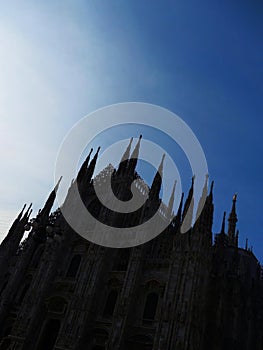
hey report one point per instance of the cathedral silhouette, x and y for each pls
(191, 291)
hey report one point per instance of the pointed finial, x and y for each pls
(203, 198)
(223, 223)
(125, 158)
(134, 157)
(206, 182)
(211, 189)
(21, 213)
(29, 208)
(135, 152)
(232, 220)
(91, 167)
(57, 185)
(29, 213)
(236, 238)
(83, 167)
(160, 169)
(181, 204)
(178, 217)
(174, 186)
(157, 182)
(189, 200)
(246, 246)
(128, 150)
(171, 200)
(88, 157)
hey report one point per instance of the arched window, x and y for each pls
(150, 306)
(74, 266)
(49, 335)
(121, 260)
(110, 303)
(21, 295)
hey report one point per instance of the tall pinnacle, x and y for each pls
(91, 167)
(171, 200)
(28, 212)
(232, 220)
(189, 198)
(178, 217)
(17, 219)
(134, 157)
(157, 181)
(202, 198)
(187, 216)
(84, 167)
(125, 159)
(14, 226)
(223, 224)
(204, 215)
(44, 213)
(211, 191)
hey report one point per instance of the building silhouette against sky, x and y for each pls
(178, 291)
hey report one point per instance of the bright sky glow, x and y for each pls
(60, 60)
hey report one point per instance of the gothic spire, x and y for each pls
(177, 219)
(187, 216)
(246, 246)
(157, 181)
(204, 215)
(14, 226)
(134, 157)
(84, 167)
(232, 220)
(171, 200)
(91, 167)
(223, 224)
(16, 232)
(189, 198)
(28, 213)
(236, 238)
(16, 221)
(44, 213)
(210, 196)
(125, 159)
(203, 198)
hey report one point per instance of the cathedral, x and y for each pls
(196, 290)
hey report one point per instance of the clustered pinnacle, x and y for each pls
(127, 168)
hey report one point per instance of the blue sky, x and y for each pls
(61, 60)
